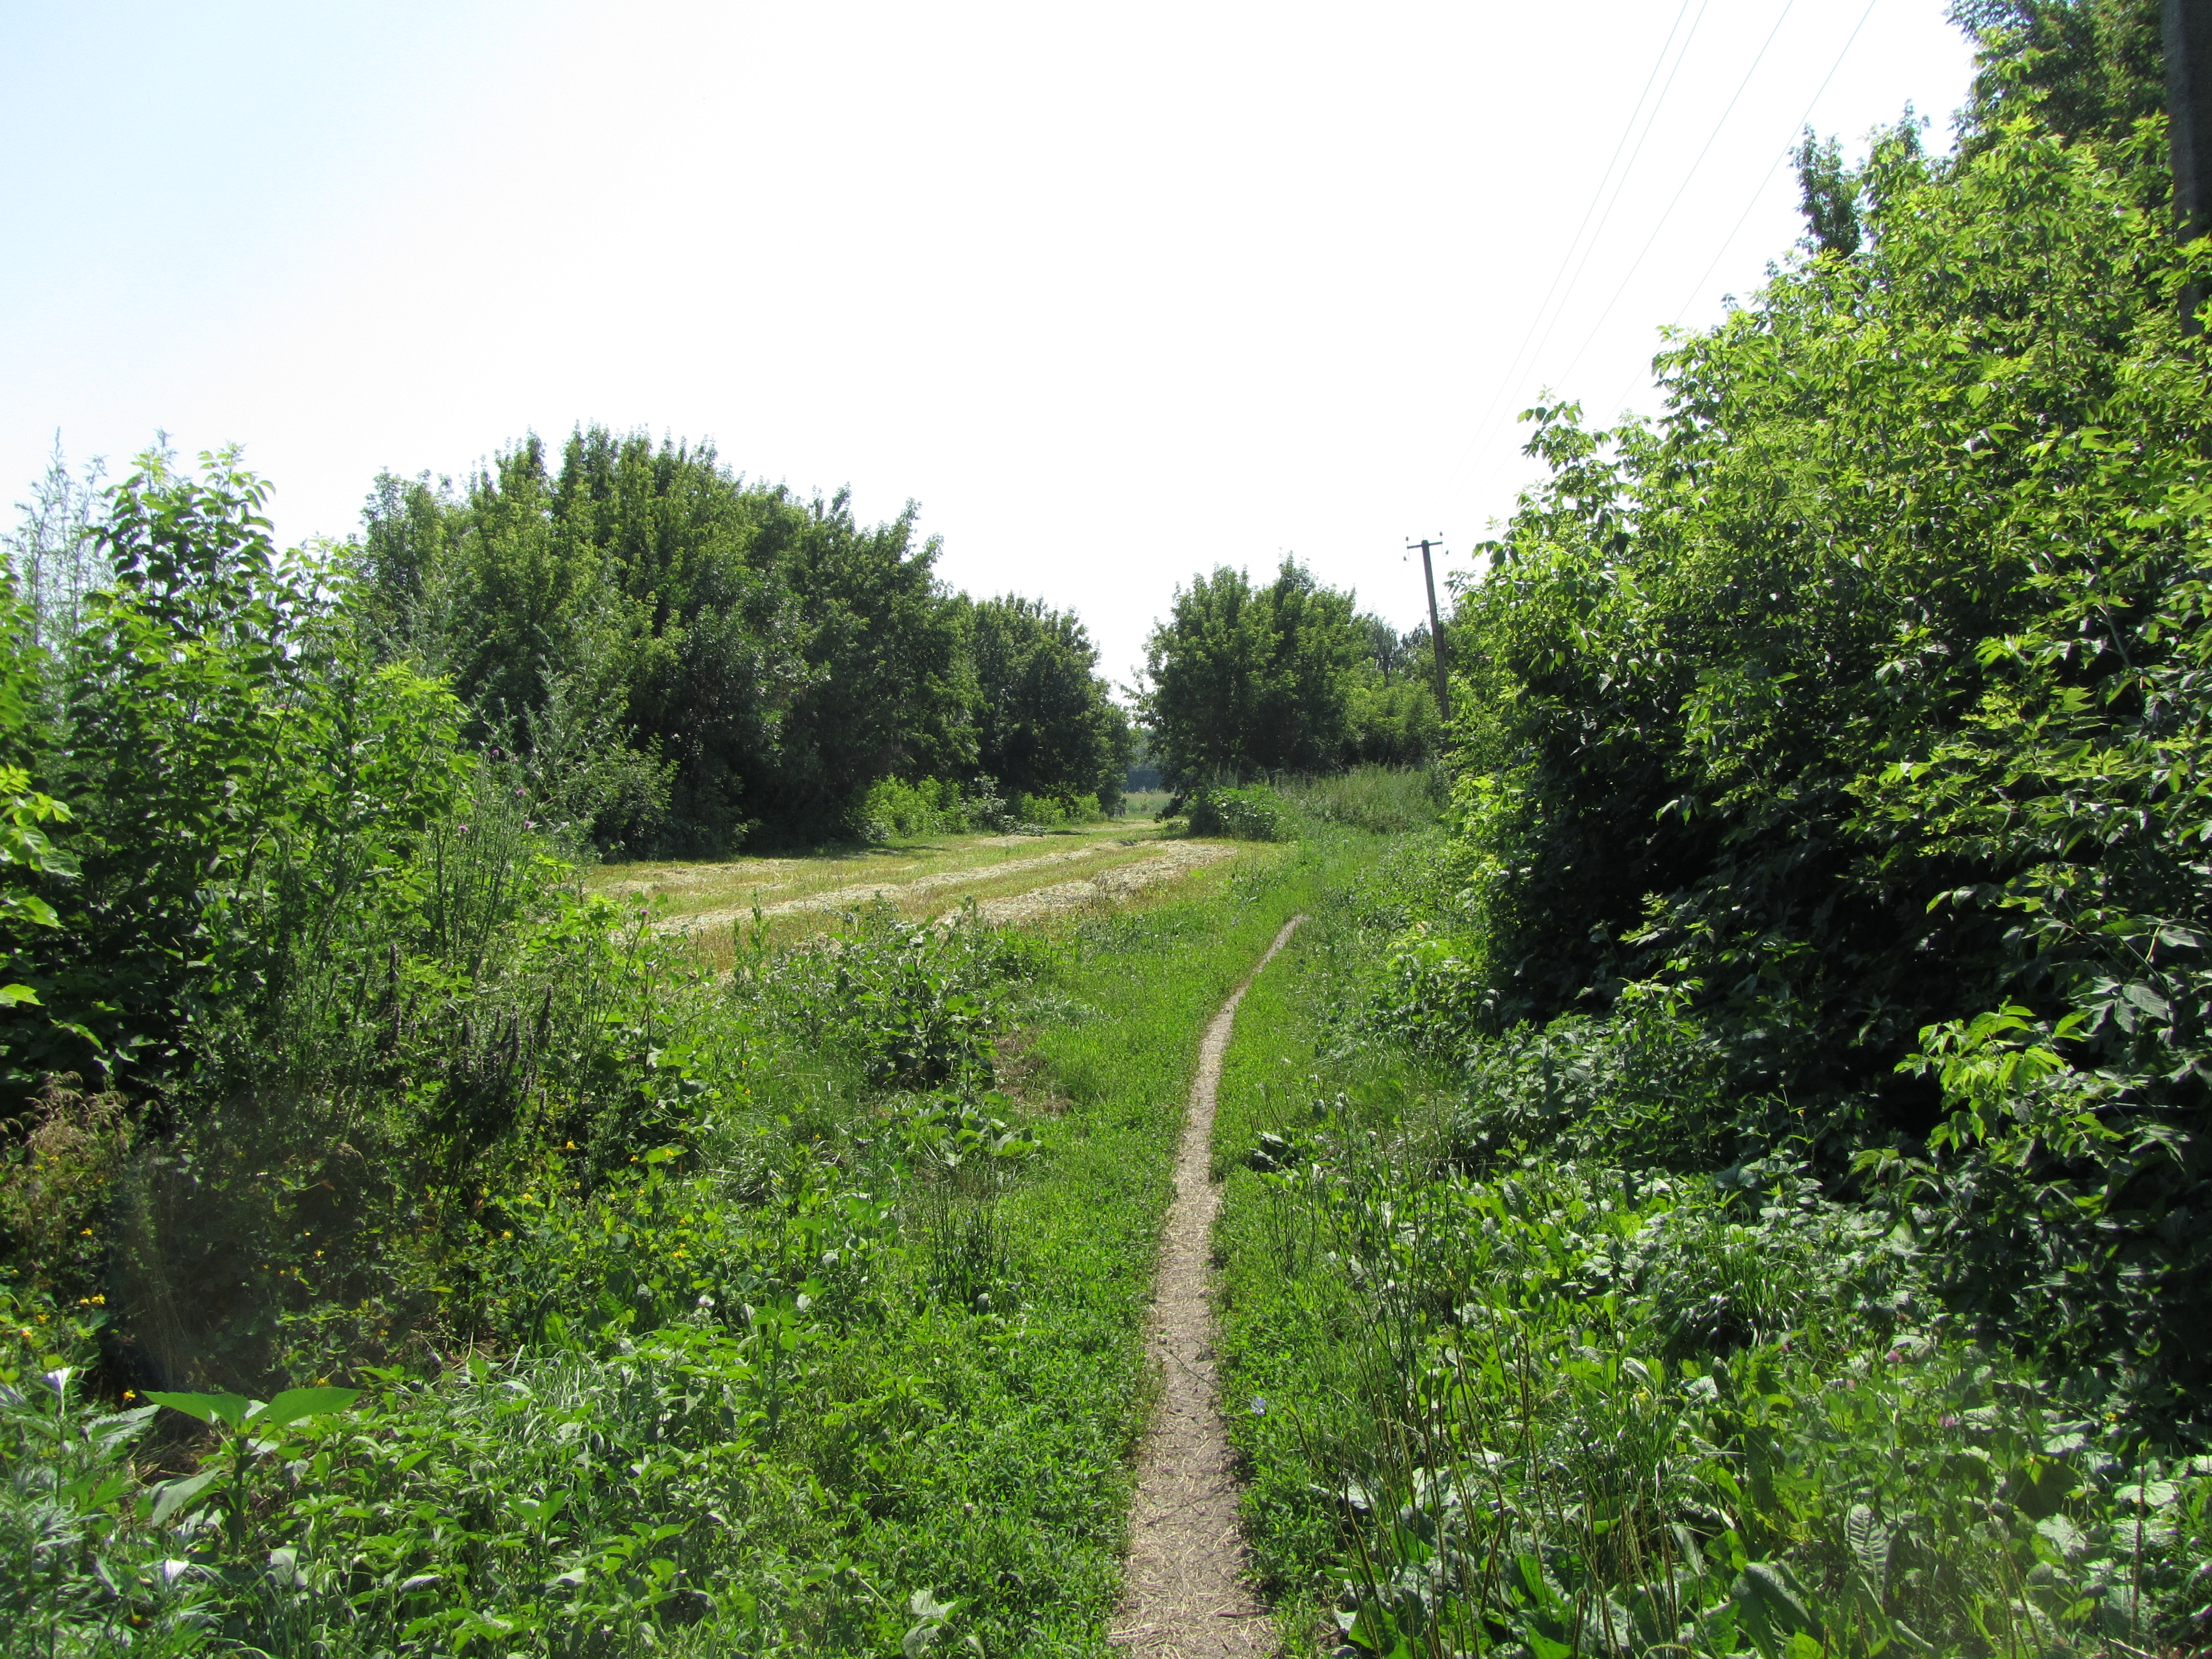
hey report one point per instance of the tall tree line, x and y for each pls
(698, 658)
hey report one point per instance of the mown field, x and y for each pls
(1019, 878)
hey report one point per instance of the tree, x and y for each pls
(1827, 196)
(889, 690)
(759, 659)
(1046, 723)
(235, 769)
(2086, 68)
(1851, 710)
(1245, 680)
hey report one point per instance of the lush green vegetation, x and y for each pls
(1723, 1171)
(1741, 1190)
(793, 1311)
(706, 658)
(1281, 678)
(512, 1280)
(1508, 1382)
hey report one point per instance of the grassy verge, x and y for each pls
(989, 1444)
(1499, 1398)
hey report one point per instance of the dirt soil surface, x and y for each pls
(1188, 1592)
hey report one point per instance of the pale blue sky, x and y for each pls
(1115, 292)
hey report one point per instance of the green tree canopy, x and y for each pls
(1046, 723)
(1244, 680)
(760, 658)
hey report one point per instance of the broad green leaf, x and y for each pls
(294, 1405)
(230, 1410)
(2064, 1536)
(173, 1495)
(1766, 1594)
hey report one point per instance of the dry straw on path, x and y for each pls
(1188, 1592)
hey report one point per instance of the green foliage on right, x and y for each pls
(1853, 711)
(1743, 1192)
(1509, 1380)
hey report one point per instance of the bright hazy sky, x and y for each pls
(1117, 293)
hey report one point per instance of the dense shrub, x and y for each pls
(1847, 710)
(708, 658)
(1254, 812)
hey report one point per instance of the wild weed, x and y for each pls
(1383, 800)
(1586, 1414)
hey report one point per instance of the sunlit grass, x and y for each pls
(1124, 865)
(684, 889)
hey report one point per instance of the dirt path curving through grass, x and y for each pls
(1186, 1593)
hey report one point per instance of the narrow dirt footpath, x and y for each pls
(1186, 1594)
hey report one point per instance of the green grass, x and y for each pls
(1383, 800)
(788, 1391)
(1010, 1498)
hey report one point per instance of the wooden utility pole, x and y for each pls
(1436, 629)
(2188, 29)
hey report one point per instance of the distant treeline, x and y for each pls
(701, 659)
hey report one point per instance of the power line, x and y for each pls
(1802, 122)
(1759, 188)
(1482, 426)
(1590, 248)
(1667, 212)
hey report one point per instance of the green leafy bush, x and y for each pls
(1847, 708)
(916, 1006)
(894, 809)
(1516, 1367)
(1254, 812)
(1571, 1409)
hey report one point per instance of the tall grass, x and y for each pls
(1383, 800)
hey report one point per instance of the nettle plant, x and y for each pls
(1579, 1410)
(254, 1438)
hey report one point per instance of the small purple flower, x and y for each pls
(1259, 1404)
(1947, 1422)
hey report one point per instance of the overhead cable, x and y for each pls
(1505, 381)
(1759, 188)
(1666, 213)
